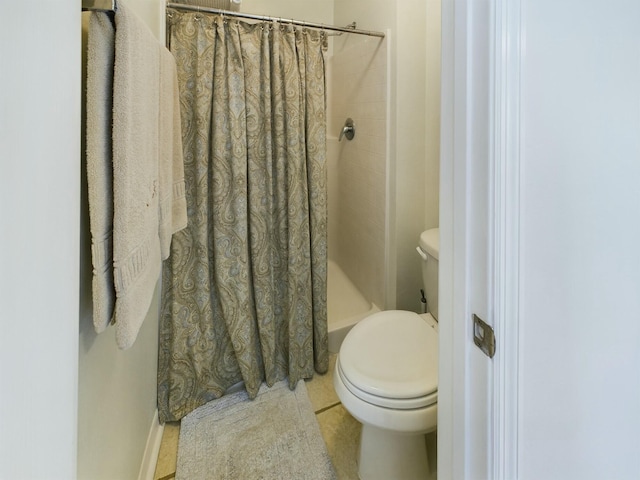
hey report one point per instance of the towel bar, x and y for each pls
(99, 5)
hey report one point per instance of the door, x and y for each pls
(562, 257)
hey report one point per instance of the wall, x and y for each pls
(580, 204)
(320, 11)
(357, 212)
(433, 51)
(379, 15)
(357, 88)
(410, 163)
(39, 232)
(417, 138)
(413, 144)
(412, 158)
(117, 389)
(38, 360)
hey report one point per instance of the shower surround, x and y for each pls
(357, 180)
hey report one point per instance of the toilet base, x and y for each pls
(385, 454)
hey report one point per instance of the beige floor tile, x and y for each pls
(320, 388)
(341, 433)
(168, 454)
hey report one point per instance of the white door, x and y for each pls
(554, 90)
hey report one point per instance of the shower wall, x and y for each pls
(320, 11)
(357, 74)
(356, 88)
(412, 174)
(378, 253)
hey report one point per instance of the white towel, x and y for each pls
(134, 167)
(100, 48)
(136, 184)
(173, 204)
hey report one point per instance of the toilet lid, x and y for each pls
(392, 354)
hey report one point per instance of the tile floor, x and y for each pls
(339, 430)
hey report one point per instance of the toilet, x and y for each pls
(386, 376)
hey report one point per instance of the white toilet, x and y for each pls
(386, 376)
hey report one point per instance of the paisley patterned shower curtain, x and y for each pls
(244, 290)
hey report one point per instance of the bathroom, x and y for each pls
(116, 399)
(74, 403)
(408, 152)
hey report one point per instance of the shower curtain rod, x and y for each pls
(194, 8)
(110, 6)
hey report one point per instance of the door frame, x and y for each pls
(463, 417)
(452, 274)
(505, 207)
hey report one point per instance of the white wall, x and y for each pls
(320, 11)
(40, 212)
(417, 130)
(433, 52)
(579, 398)
(412, 170)
(413, 160)
(356, 87)
(357, 216)
(39, 235)
(410, 155)
(117, 389)
(358, 76)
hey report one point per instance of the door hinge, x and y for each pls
(483, 336)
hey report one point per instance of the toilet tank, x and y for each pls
(429, 247)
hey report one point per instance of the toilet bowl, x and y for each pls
(386, 377)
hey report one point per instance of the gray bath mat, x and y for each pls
(275, 436)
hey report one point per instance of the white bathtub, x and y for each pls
(346, 306)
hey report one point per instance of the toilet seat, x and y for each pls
(390, 359)
(388, 402)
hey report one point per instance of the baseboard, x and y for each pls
(150, 457)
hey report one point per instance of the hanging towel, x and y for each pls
(173, 203)
(100, 49)
(134, 167)
(136, 183)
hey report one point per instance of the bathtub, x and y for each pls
(346, 306)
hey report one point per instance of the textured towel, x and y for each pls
(136, 187)
(173, 203)
(100, 48)
(134, 167)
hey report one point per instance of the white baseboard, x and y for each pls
(150, 457)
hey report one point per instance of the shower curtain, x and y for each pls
(244, 290)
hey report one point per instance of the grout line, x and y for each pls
(324, 409)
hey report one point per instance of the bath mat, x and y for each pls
(275, 436)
